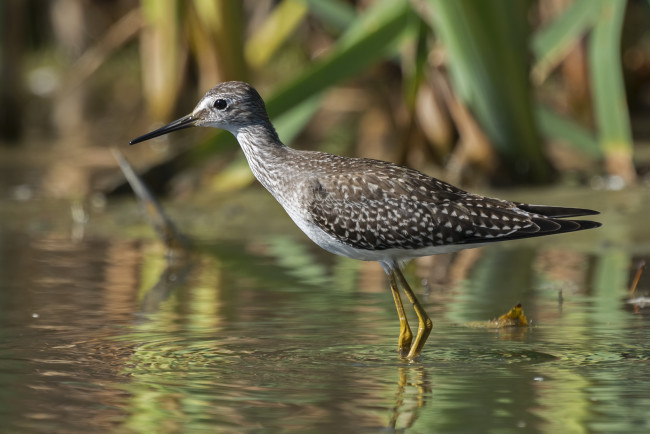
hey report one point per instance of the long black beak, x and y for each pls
(179, 124)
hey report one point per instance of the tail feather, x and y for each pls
(546, 227)
(555, 226)
(587, 224)
(556, 211)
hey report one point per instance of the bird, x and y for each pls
(367, 209)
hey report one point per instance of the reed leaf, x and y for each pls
(275, 30)
(553, 42)
(570, 133)
(335, 13)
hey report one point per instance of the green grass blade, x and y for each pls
(552, 43)
(558, 127)
(335, 13)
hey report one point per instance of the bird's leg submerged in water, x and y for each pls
(408, 348)
(405, 334)
(424, 322)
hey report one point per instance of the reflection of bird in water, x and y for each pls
(411, 396)
(367, 209)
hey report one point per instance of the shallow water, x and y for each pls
(258, 331)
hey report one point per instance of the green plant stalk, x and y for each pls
(161, 48)
(223, 20)
(608, 90)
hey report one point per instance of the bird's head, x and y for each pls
(230, 106)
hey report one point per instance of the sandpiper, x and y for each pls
(368, 209)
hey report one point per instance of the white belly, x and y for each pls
(332, 245)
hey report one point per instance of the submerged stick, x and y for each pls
(162, 224)
(637, 277)
(639, 301)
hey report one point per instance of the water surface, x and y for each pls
(259, 331)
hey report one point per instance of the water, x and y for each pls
(258, 331)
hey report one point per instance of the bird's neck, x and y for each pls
(264, 151)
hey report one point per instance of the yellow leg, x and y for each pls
(405, 334)
(424, 322)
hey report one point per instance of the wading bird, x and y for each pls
(368, 209)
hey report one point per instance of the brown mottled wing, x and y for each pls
(373, 205)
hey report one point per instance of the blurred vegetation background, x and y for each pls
(472, 91)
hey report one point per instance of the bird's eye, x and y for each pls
(220, 104)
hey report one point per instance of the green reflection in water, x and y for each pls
(262, 333)
(225, 351)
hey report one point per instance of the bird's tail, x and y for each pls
(556, 211)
